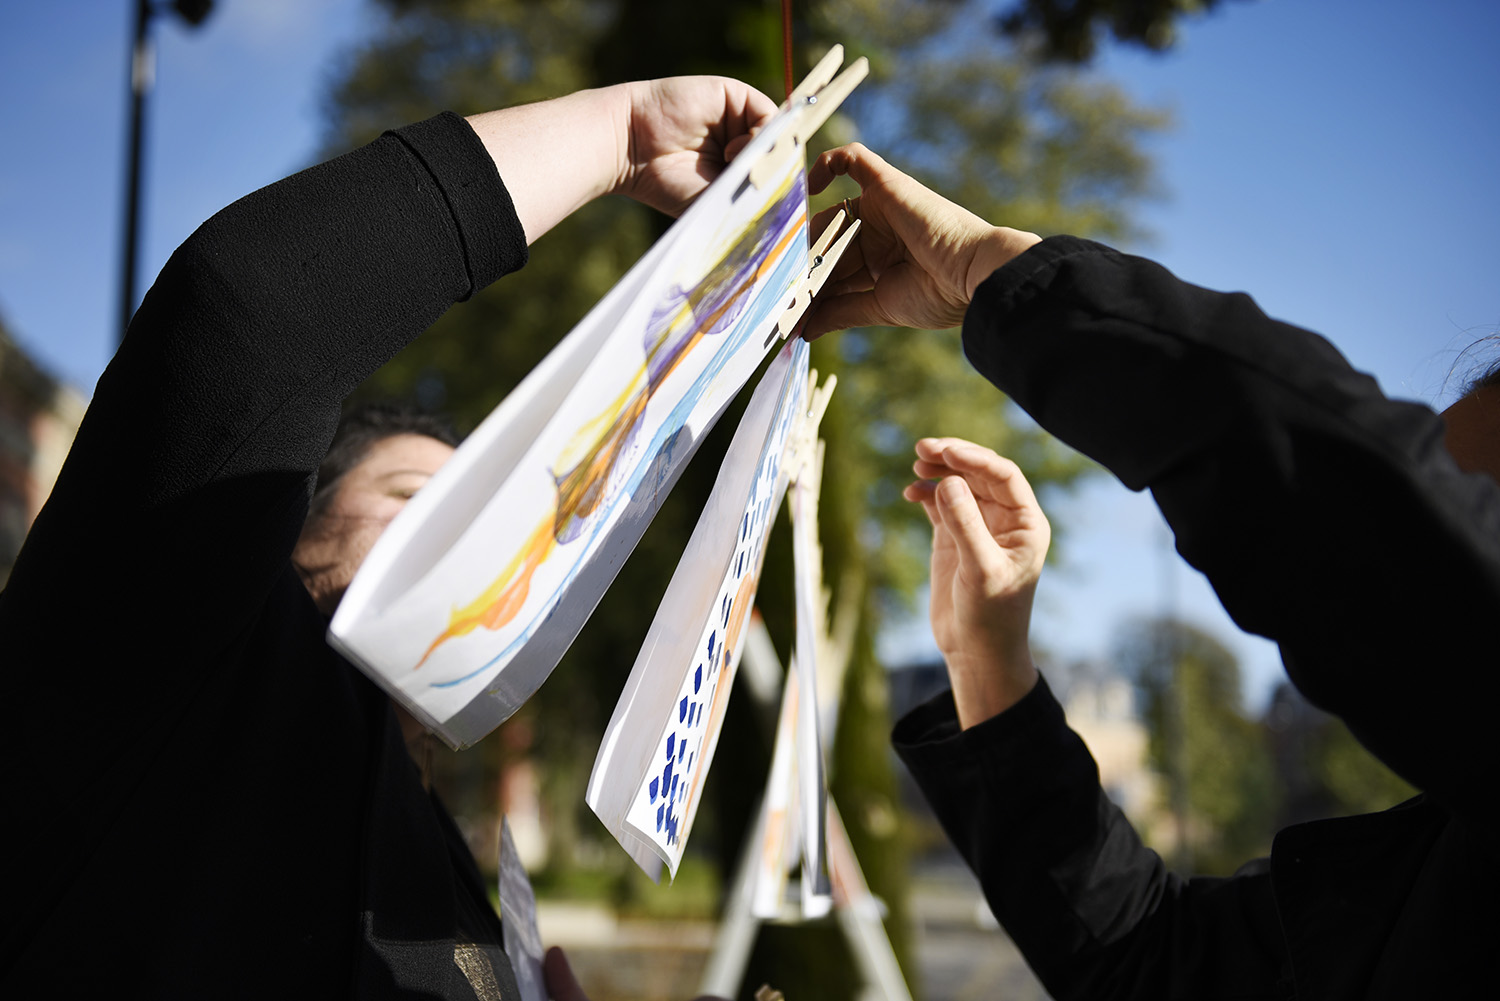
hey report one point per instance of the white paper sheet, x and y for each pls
(779, 834)
(647, 778)
(812, 786)
(523, 944)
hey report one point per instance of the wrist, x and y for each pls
(618, 104)
(996, 249)
(985, 687)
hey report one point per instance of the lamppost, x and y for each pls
(142, 70)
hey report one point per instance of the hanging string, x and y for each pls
(786, 42)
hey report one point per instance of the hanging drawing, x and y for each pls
(472, 595)
(659, 743)
(779, 832)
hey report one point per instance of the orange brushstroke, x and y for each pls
(504, 597)
(740, 607)
(721, 692)
(770, 852)
(776, 817)
(582, 488)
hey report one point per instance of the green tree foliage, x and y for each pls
(1214, 759)
(1069, 29)
(1017, 142)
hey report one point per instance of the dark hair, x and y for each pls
(361, 428)
(1486, 379)
(1490, 374)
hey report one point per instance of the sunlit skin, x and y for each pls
(989, 542)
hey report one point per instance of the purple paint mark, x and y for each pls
(721, 294)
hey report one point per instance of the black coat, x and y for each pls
(206, 800)
(1327, 518)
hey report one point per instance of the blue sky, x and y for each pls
(1335, 158)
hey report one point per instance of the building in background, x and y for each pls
(38, 418)
(1101, 708)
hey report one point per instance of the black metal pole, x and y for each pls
(140, 83)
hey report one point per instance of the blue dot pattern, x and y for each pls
(674, 774)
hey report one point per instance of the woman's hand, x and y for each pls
(918, 256)
(659, 142)
(681, 132)
(989, 541)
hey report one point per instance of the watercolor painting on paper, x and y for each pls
(648, 374)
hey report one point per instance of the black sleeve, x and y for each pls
(187, 485)
(1095, 912)
(1327, 517)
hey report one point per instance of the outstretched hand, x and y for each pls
(989, 541)
(918, 256)
(659, 142)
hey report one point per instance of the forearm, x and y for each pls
(1326, 516)
(558, 155)
(238, 359)
(1093, 910)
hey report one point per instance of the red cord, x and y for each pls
(786, 39)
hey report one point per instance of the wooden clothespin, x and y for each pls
(816, 97)
(825, 253)
(803, 444)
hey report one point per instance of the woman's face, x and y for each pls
(334, 544)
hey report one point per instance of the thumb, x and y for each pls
(965, 523)
(840, 312)
(561, 984)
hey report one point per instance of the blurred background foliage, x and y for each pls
(980, 118)
(1230, 779)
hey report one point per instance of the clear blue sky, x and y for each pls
(1335, 158)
